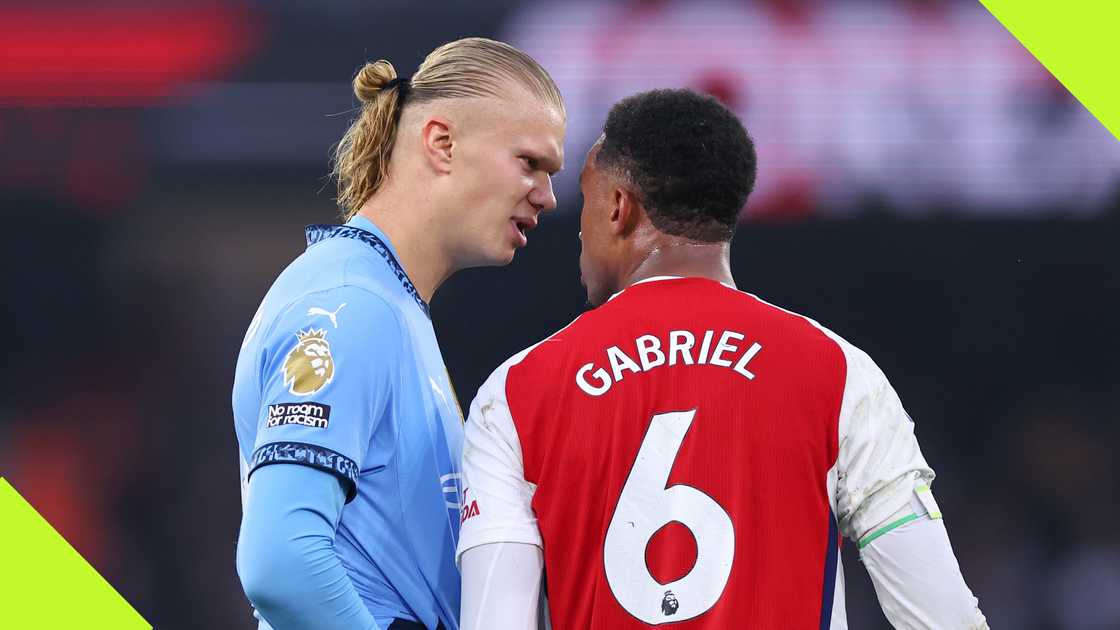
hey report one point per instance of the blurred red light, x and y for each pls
(118, 55)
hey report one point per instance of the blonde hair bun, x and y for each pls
(465, 68)
(371, 78)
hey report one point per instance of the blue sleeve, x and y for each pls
(286, 557)
(328, 364)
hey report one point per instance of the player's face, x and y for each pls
(595, 258)
(503, 164)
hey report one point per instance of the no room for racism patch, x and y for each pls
(310, 414)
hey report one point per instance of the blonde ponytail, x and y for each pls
(464, 68)
(361, 159)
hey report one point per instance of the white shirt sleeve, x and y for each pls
(879, 463)
(497, 500)
(918, 580)
(883, 500)
(501, 587)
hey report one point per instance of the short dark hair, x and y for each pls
(690, 160)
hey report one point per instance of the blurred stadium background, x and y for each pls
(926, 189)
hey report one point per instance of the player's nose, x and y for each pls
(542, 196)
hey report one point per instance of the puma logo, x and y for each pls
(332, 315)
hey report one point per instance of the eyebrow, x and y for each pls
(550, 165)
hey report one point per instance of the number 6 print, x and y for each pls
(645, 506)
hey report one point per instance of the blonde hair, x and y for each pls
(464, 68)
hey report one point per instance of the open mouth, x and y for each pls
(522, 226)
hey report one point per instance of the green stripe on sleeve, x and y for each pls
(866, 540)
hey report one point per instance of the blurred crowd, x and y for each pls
(926, 189)
(924, 106)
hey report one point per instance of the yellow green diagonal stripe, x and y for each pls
(1077, 43)
(45, 583)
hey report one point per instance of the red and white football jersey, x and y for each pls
(689, 454)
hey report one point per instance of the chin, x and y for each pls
(494, 256)
(501, 258)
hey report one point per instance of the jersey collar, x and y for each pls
(655, 279)
(650, 279)
(362, 229)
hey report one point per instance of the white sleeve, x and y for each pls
(884, 501)
(501, 587)
(879, 463)
(497, 500)
(918, 580)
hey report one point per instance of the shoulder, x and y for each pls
(813, 331)
(863, 380)
(858, 364)
(350, 318)
(350, 261)
(350, 303)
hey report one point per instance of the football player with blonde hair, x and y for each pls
(348, 427)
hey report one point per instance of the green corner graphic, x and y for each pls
(1075, 41)
(44, 583)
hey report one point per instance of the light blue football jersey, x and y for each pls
(340, 370)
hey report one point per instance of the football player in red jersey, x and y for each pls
(686, 453)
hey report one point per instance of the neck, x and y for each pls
(685, 258)
(411, 231)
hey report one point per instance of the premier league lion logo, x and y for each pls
(669, 604)
(309, 367)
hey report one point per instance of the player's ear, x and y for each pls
(627, 211)
(615, 215)
(437, 143)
